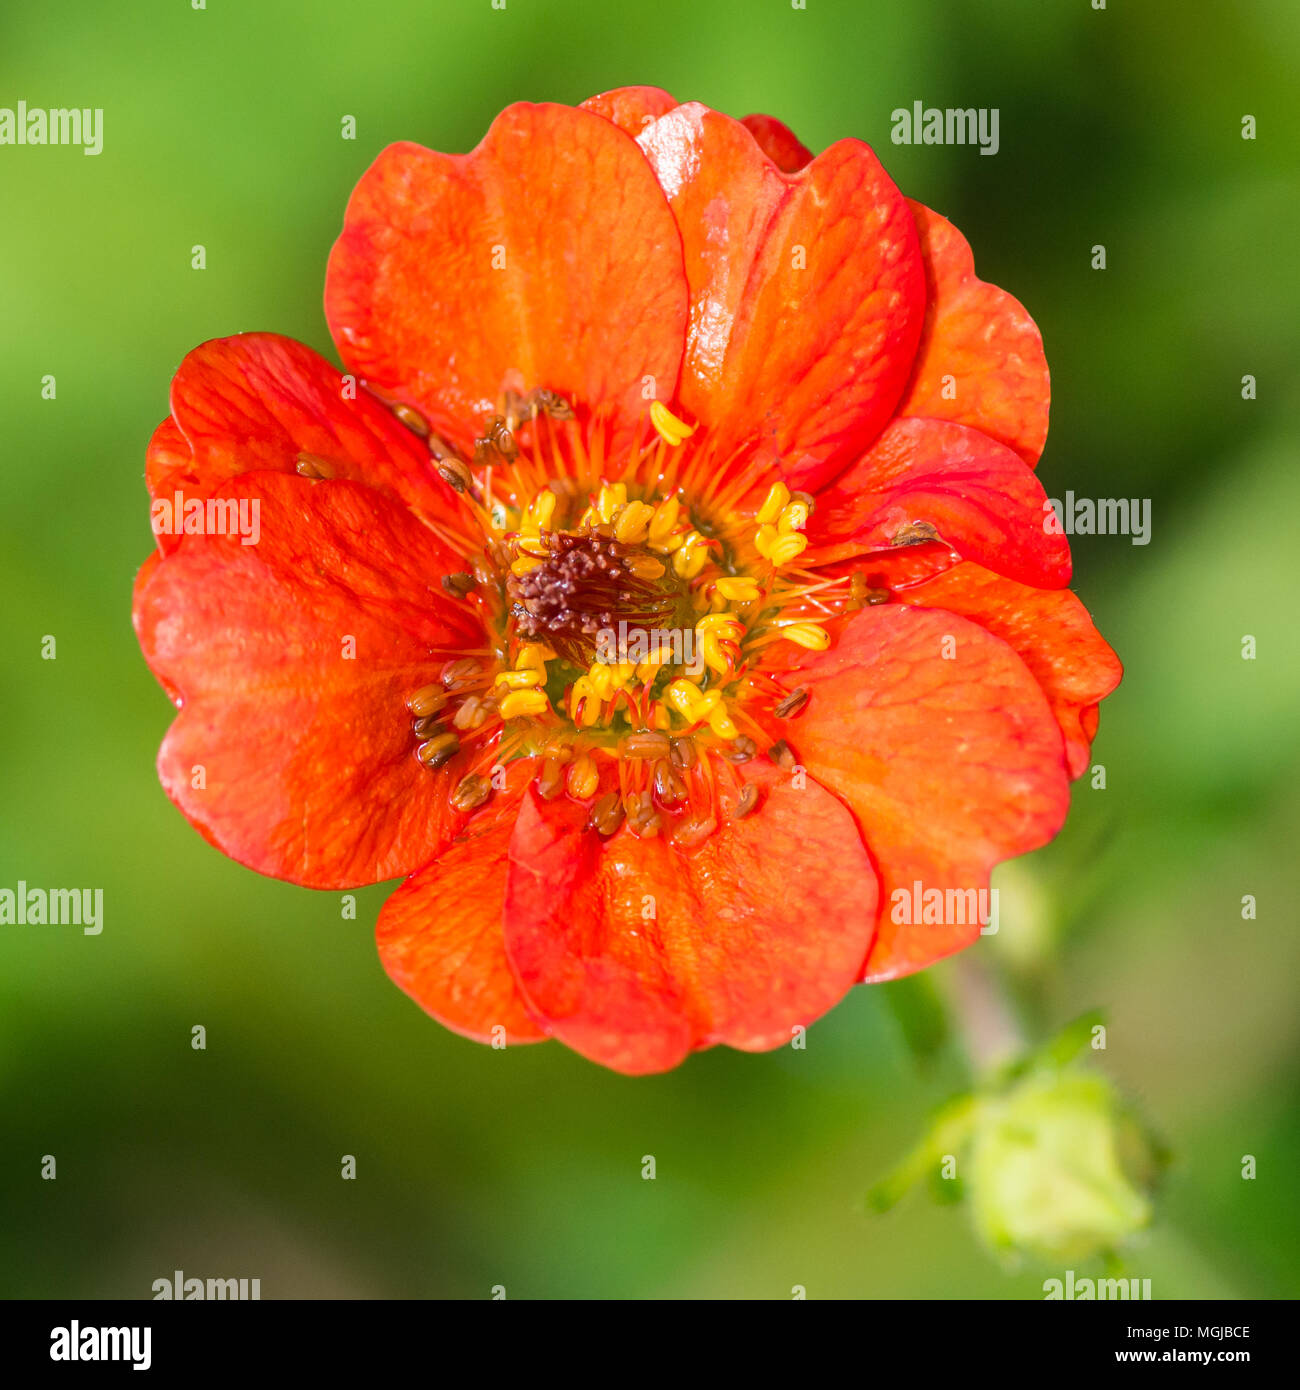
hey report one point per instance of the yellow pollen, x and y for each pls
(663, 521)
(525, 563)
(720, 723)
(738, 589)
(690, 559)
(633, 524)
(612, 497)
(773, 505)
(714, 657)
(683, 697)
(764, 539)
(724, 624)
(645, 567)
(540, 511)
(793, 517)
(524, 702)
(809, 635)
(601, 679)
(787, 547)
(534, 656)
(671, 430)
(520, 680)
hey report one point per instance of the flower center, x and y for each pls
(628, 623)
(589, 586)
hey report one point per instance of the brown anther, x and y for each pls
(427, 726)
(693, 830)
(455, 474)
(792, 704)
(806, 498)
(669, 787)
(516, 409)
(914, 533)
(458, 584)
(439, 750)
(456, 673)
(412, 419)
(607, 814)
(683, 753)
(740, 750)
(747, 801)
(498, 439)
(314, 467)
(782, 755)
(550, 403)
(642, 819)
(439, 447)
(550, 781)
(861, 593)
(558, 747)
(649, 743)
(471, 792)
(429, 699)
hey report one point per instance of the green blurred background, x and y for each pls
(523, 1168)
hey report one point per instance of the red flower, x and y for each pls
(634, 363)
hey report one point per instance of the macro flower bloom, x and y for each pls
(664, 589)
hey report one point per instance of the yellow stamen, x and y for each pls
(612, 497)
(809, 635)
(690, 559)
(794, 517)
(738, 589)
(683, 697)
(671, 430)
(764, 539)
(714, 657)
(534, 655)
(525, 563)
(601, 679)
(787, 547)
(524, 702)
(778, 495)
(633, 524)
(663, 521)
(720, 723)
(724, 624)
(520, 680)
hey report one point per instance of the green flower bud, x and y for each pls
(1058, 1169)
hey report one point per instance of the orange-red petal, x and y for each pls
(807, 295)
(290, 661)
(259, 401)
(440, 936)
(983, 501)
(631, 108)
(547, 257)
(980, 360)
(778, 142)
(634, 953)
(1051, 632)
(941, 742)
